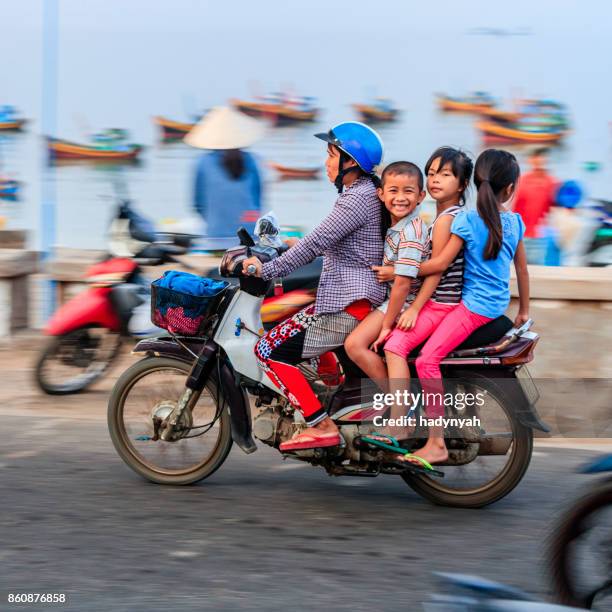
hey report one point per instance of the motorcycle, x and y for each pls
(599, 252)
(87, 332)
(174, 415)
(471, 593)
(580, 553)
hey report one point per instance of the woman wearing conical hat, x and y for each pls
(227, 190)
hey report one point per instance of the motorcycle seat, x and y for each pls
(487, 334)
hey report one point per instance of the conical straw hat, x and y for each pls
(224, 128)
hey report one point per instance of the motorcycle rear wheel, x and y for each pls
(146, 388)
(78, 352)
(575, 582)
(458, 489)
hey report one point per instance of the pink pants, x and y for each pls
(451, 324)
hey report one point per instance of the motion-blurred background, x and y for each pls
(120, 65)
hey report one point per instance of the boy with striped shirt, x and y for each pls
(401, 192)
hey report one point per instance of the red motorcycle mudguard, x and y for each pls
(92, 307)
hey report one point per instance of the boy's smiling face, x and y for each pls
(400, 194)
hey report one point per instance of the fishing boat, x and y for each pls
(9, 119)
(474, 103)
(517, 132)
(498, 114)
(9, 189)
(540, 113)
(533, 121)
(109, 145)
(281, 109)
(546, 113)
(379, 111)
(172, 130)
(295, 173)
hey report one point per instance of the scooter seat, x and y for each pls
(483, 336)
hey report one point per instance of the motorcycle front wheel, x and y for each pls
(71, 362)
(148, 391)
(580, 553)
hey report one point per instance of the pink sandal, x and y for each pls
(307, 440)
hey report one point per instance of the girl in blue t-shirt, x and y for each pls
(491, 237)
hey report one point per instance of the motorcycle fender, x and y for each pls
(240, 410)
(236, 397)
(91, 307)
(166, 346)
(524, 410)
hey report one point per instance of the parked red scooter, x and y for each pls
(86, 333)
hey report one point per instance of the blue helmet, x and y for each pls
(357, 141)
(569, 194)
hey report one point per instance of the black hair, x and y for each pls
(404, 168)
(540, 152)
(460, 164)
(233, 162)
(495, 170)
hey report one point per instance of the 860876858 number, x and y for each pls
(36, 598)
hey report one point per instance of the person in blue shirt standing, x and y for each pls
(227, 189)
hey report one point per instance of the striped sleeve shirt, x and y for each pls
(450, 286)
(405, 244)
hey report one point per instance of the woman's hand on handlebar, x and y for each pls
(291, 242)
(252, 267)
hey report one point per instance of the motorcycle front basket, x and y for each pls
(182, 313)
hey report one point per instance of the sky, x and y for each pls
(359, 15)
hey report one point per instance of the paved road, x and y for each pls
(261, 533)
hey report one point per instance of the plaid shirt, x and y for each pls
(349, 240)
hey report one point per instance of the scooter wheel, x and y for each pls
(72, 362)
(151, 388)
(579, 553)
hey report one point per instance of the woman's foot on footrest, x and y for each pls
(311, 439)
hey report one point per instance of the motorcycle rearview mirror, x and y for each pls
(245, 238)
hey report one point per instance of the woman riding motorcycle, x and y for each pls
(350, 239)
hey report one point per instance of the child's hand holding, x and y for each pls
(408, 318)
(385, 332)
(384, 274)
(521, 317)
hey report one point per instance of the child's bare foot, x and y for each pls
(387, 434)
(433, 452)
